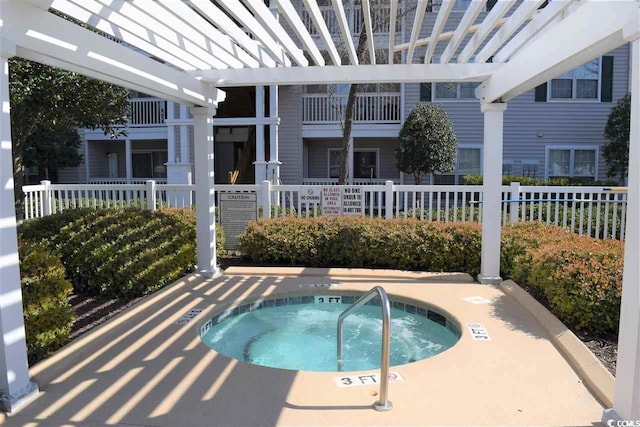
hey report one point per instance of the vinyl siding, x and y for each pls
(290, 134)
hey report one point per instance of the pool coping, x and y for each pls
(588, 367)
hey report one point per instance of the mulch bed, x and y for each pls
(93, 310)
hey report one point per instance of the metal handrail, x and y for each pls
(383, 404)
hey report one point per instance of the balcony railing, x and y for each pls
(369, 108)
(147, 112)
(379, 20)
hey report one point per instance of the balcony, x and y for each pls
(147, 112)
(322, 108)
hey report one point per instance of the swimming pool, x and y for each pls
(299, 333)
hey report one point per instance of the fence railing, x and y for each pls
(369, 107)
(146, 112)
(594, 211)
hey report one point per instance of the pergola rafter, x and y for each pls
(184, 50)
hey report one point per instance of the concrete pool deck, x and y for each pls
(143, 369)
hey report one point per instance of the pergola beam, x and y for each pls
(263, 14)
(44, 37)
(226, 25)
(542, 19)
(323, 31)
(517, 19)
(368, 27)
(393, 17)
(488, 24)
(421, 8)
(445, 9)
(338, 8)
(461, 32)
(600, 29)
(381, 73)
(289, 13)
(242, 15)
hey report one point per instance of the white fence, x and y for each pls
(369, 107)
(147, 112)
(594, 211)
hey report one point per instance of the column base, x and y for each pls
(610, 417)
(489, 280)
(13, 402)
(209, 273)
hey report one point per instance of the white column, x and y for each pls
(260, 163)
(492, 192)
(128, 159)
(350, 162)
(274, 163)
(626, 399)
(205, 198)
(14, 368)
(184, 136)
(171, 134)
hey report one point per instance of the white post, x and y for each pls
(388, 199)
(260, 163)
(171, 134)
(265, 198)
(492, 192)
(514, 207)
(46, 198)
(274, 163)
(128, 160)
(205, 195)
(151, 195)
(14, 368)
(184, 136)
(626, 398)
(350, 162)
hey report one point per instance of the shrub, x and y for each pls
(529, 181)
(364, 242)
(581, 280)
(48, 317)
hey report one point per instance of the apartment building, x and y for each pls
(292, 134)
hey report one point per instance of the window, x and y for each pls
(149, 164)
(447, 91)
(572, 162)
(365, 163)
(469, 162)
(581, 83)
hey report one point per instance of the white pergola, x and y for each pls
(185, 51)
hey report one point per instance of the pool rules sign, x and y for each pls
(236, 210)
(342, 200)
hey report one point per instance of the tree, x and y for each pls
(44, 98)
(616, 149)
(427, 142)
(51, 148)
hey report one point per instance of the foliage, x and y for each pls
(48, 317)
(364, 242)
(50, 148)
(427, 142)
(616, 149)
(121, 252)
(528, 181)
(44, 97)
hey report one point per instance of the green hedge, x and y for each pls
(364, 242)
(528, 181)
(121, 252)
(48, 317)
(577, 277)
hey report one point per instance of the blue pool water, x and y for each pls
(303, 337)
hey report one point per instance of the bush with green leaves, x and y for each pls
(428, 142)
(121, 252)
(617, 130)
(364, 242)
(529, 181)
(48, 316)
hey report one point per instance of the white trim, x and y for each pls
(572, 149)
(359, 130)
(457, 99)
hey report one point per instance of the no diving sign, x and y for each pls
(358, 380)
